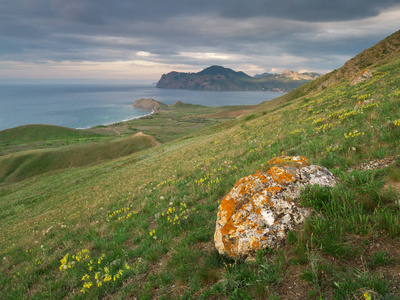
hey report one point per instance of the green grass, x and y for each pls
(17, 167)
(29, 137)
(118, 210)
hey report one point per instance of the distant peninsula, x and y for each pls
(148, 103)
(218, 78)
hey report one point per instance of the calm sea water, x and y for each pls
(87, 105)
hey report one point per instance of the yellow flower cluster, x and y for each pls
(306, 120)
(297, 131)
(356, 112)
(169, 181)
(81, 255)
(99, 276)
(353, 134)
(349, 114)
(334, 104)
(175, 216)
(152, 232)
(122, 210)
(211, 179)
(323, 128)
(101, 258)
(123, 213)
(361, 97)
(334, 149)
(336, 114)
(319, 120)
(107, 276)
(397, 122)
(118, 274)
(65, 264)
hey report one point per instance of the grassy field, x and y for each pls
(142, 226)
(177, 120)
(38, 136)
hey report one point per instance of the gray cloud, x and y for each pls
(310, 34)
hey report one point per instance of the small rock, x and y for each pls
(365, 75)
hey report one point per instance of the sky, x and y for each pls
(131, 40)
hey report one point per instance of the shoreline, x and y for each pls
(126, 120)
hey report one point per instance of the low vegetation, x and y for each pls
(142, 226)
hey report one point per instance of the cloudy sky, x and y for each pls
(141, 40)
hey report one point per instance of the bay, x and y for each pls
(88, 105)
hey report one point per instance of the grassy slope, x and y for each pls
(42, 136)
(17, 167)
(111, 213)
(178, 120)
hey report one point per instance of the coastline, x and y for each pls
(126, 120)
(46, 103)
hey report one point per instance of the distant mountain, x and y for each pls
(218, 78)
(264, 75)
(290, 74)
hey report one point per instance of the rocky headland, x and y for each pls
(217, 78)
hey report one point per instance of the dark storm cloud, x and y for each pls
(308, 10)
(253, 30)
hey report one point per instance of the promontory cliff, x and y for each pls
(217, 78)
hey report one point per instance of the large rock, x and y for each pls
(261, 208)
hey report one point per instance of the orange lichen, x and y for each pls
(364, 72)
(279, 175)
(228, 207)
(288, 160)
(273, 190)
(255, 244)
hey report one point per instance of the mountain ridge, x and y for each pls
(218, 78)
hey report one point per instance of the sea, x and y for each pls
(89, 105)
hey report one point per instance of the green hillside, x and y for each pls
(42, 136)
(104, 231)
(26, 164)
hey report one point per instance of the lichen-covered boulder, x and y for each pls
(261, 208)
